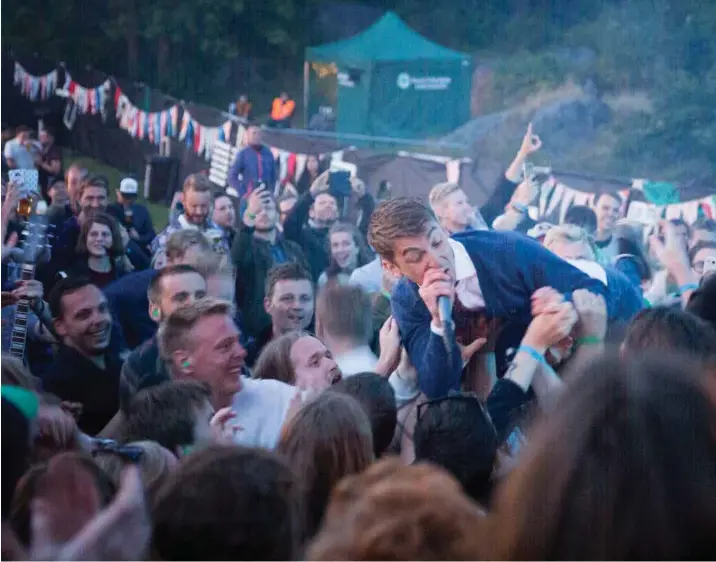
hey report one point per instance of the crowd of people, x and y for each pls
(274, 375)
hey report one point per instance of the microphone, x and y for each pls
(445, 314)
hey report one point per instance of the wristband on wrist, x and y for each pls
(686, 287)
(532, 352)
(520, 207)
(590, 340)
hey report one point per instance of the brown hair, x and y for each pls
(197, 182)
(92, 181)
(274, 362)
(153, 464)
(624, 467)
(173, 331)
(285, 272)
(166, 413)
(326, 440)
(28, 486)
(364, 253)
(398, 512)
(100, 217)
(154, 292)
(397, 218)
(228, 503)
(345, 311)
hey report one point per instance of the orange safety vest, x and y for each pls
(281, 110)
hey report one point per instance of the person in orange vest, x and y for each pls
(282, 111)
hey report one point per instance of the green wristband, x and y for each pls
(590, 340)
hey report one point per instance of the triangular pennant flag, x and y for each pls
(300, 165)
(567, 202)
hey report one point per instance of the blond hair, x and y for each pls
(172, 334)
(440, 192)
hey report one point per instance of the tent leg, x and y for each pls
(306, 78)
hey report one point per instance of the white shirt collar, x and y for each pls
(464, 267)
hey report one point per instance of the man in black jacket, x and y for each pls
(315, 212)
(258, 247)
(87, 365)
(133, 216)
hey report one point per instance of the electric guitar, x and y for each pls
(34, 242)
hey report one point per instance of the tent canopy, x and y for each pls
(388, 39)
(391, 81)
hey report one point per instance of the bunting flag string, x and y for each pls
(154, 126)
(35, 87)
(557, 198)
(88, 100)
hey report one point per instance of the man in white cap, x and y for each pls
(134, 217)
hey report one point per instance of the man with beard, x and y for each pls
(288, 305)
(172, 287)
(313, 215)
(258, 247)
(196, 202)
(87, 364)
(201, 342)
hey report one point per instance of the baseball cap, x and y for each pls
(129, 186)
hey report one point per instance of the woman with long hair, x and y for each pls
(101, 249)
(348, 251)
(314, 168)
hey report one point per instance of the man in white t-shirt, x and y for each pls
(17, 156)
(201, 342)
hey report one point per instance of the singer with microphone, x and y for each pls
(453, 281)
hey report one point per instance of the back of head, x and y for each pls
(154, 461)
(668, 330)
(344, 311)
(228, 503)
(327, 439)
(181, 241)
(703, 302)
(583, 217)
(166, 413)
(623, 468)
(398, 512)
(457, 434)
(377, 398)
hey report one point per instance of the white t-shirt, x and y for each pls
(261, 408)
(19, 154)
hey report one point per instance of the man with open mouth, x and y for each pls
(87, 365)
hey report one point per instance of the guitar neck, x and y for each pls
(22, 313)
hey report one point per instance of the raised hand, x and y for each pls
(389, 338)
(531, 143)
(550, 328)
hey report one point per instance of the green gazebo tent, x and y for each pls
(393, 82)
